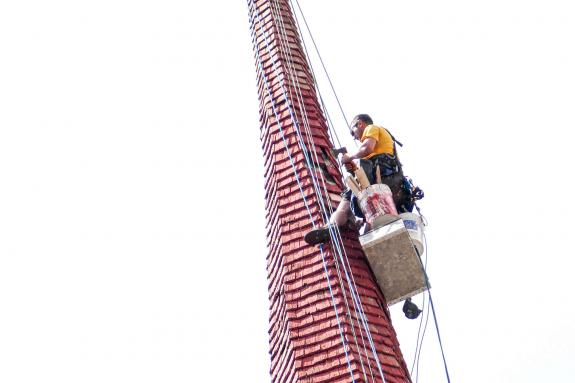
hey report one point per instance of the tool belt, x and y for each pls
(388, 164)
(386, 161)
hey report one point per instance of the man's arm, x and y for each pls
(364, 150)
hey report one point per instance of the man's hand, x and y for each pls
(347, 161)
(346, 158)
(350, 166)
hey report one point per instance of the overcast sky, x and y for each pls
(132, 221)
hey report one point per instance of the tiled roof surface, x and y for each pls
(305, 338)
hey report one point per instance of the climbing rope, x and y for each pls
(322, 64)
(432, 307)
(423, 306)
(418, 352)
(331, 128)
(424, 309)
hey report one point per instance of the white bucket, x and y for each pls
(414, 227)
(375, 201)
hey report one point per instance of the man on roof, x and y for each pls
(377, 152)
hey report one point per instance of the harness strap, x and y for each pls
(394, 147)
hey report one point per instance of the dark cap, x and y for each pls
(363, 117)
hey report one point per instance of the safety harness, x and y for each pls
(389, 166)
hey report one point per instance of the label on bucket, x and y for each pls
(410, 225)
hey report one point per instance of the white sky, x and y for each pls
(132, 230)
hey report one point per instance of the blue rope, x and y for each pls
(322, 64)
(324, 108)
(434, 315)
(439, 338)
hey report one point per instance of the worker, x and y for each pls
(376, 153)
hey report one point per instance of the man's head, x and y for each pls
(358, 125)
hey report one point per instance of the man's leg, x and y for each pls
(341, 215)
(339, 218)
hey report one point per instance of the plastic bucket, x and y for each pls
(376, 200)
(414, 227)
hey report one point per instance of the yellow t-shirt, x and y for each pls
(383, 140)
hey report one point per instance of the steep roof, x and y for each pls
(318, 327)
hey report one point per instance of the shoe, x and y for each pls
(317, 236)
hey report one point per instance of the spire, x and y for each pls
(328, 317)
